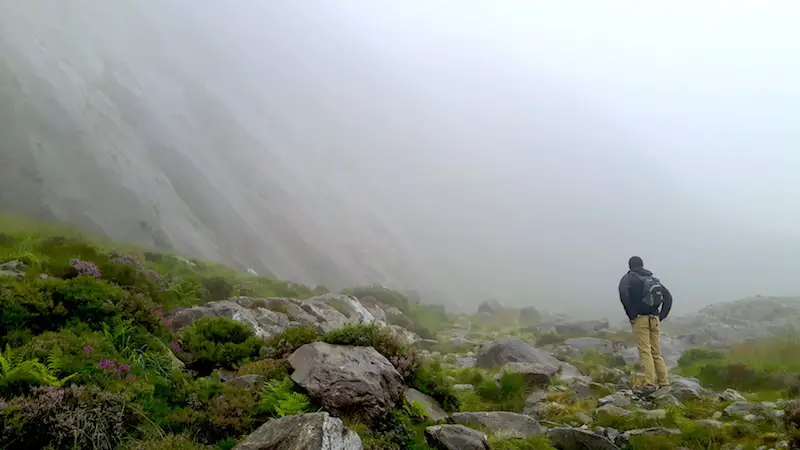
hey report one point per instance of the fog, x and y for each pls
(467, 150)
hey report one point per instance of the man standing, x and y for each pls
(647, 302)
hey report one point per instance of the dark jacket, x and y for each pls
(631, 292)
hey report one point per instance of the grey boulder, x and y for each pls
(348, 378)
(314, 431)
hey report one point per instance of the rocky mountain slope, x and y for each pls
(324, 160)
(140, 350)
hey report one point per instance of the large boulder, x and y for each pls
(348, 378)
(490, 307)
(185, 317)
(567, 438)
(455, 437)
(502, 424)
(529, 315)
(354, 311)
(314, 431)
(512, 350)
(430, 404)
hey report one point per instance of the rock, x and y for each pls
(791, 420)
(466, 361)
(455, 437)
(534, 373)
(585, 344)
(14, 269)
(742, 408)
(435, 412)
(581, 328)
(612, 410)
(354, 311)
(509, 350)
(185, 317)
(710, 423)
(313, 431)
(409, 336)
(533, 401)
(378, 313)
(617, 399)
(654, 414)
(667, 401)
(731, 395)
(328, 318)
(347, 378)
(567, 438)
(624, 438)
(463, 387)
(529, 315)
(502, 424)
(490, 306)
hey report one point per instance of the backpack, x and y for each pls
(653, 290)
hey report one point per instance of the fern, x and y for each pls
(292, 403)
(13, 369)
(278, 399)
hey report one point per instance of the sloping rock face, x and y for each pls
(314, 431)
(566, 438)
(269, 316)
(512, 350)
(431, 406)
(455, 437)
(348, 378)
(727, 323)
(503, 424)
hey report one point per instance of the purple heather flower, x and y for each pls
(87, 268)
(88, 349)
(175, 346)
(107, 364)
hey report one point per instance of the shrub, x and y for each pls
(382, 339)
(550, 339)
(286, 342)
(694, 355)
(169, 442)
(268, 368)
(219, 342)
(216, 411)
(74, 417)
(216, 288)
(429, 379)
(508, 393)
(84, 298)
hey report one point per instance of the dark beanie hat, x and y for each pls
(635, 263)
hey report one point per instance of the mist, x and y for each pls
(517, 151)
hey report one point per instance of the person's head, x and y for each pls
(635, 263)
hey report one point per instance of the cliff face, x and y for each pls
(315, 157)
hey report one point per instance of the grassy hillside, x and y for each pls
(90, 360)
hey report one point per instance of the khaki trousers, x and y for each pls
(647, 331)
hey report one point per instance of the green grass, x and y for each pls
(767, 368)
